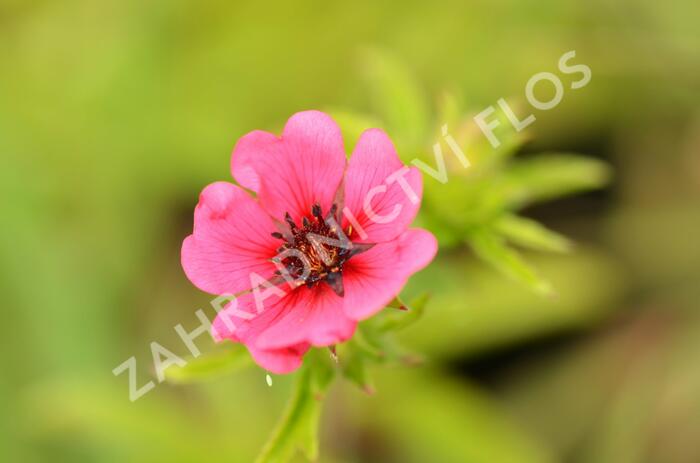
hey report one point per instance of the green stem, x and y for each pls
(298, 427)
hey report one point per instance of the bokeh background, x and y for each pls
(114, 114)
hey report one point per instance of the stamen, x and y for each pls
(331, 213)
(288, 219)
(319, 261)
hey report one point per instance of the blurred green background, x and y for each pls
(114, 114)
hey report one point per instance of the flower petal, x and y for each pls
(314, 315)
(279, 361)
(382, 194)
(250, 147)
(239, 322)
(295, 171)
(231, 240)
(372, 279)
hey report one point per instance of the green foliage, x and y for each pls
(531, 234)
(478, 204)
(493, 250)
(550, 176)
(406, 316)
(375, 342)
(397, 97)
(438, 419)
(222, 361)
(298, 427)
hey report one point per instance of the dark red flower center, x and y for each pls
(316, 250)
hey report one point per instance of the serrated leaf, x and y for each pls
(398, 99)
(211, 365)
(298, 427)
(531, 234)
(549, 176)
(492, 249)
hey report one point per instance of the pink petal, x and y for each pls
(279, 361)
(371, 166)
(314, 315)
(293, 172)
(373, 278)
(240, 322)
(231, 239)
(248, 149)
(284, 329)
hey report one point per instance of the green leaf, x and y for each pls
(492, 249)
(550, 176)
(372, 344)
(407, 314)
(398, 99)
(531, 234)
(368, 339)
(355, 363)
(211, 365)
(298, 428)
(380, 346)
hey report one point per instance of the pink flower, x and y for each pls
(323, 280)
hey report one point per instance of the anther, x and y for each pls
(332, 211)
(313, 264)
(288, 219)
